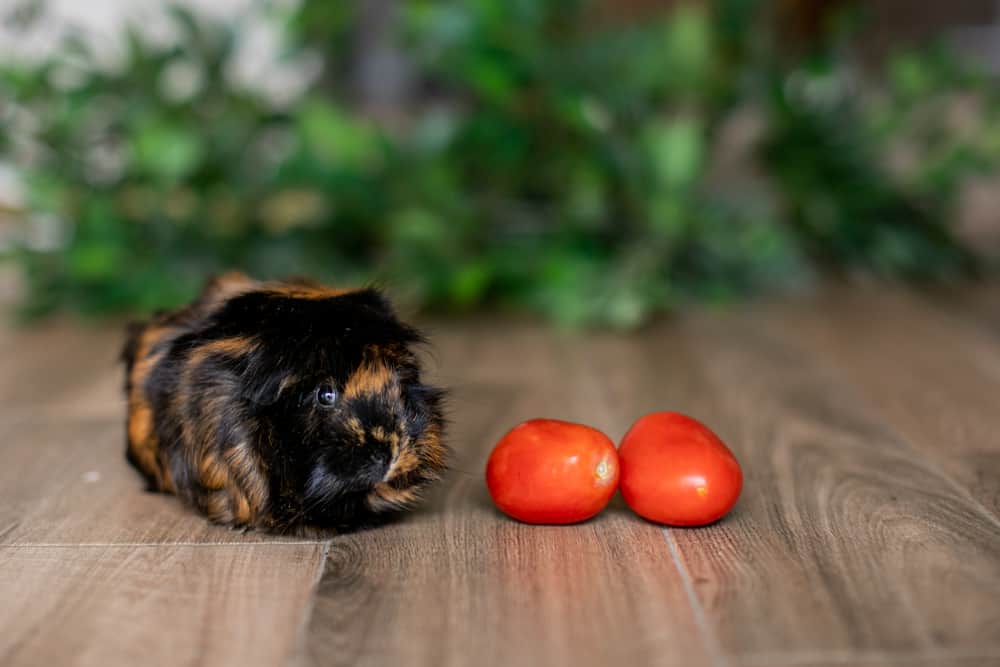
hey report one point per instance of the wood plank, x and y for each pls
(459, 582)
(67, 482)
(924, 658)
(846, 540)
(930, 373)
(137, 605)
(61, 369)
(979, 303)
(864, 537)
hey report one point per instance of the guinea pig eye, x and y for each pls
(326, 395)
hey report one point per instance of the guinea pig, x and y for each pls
(287, 407)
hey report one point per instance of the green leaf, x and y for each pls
(418, 227)
(166, 150)
(338, 139)
(587, 194)
(95, 261)
(910, 75)
(491, 79)
(688, 49)
(676, 152)
(469, 283)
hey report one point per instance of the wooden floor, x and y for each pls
(867, 422)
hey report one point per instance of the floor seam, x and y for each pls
(300, 647)
(701, 620)
(76, 545)
(850, 657)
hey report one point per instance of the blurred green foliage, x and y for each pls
(594, 173)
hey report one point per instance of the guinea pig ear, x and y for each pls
(133, 332)
(223, 286)
(389, 326)
(375, 300)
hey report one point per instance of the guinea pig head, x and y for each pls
(350, 431)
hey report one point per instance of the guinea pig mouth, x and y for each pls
(325, 482)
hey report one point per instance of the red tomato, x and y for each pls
(676, 471)
(550, 471)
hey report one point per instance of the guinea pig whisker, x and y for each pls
(305, 509)
(452, 469)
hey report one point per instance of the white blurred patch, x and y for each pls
(820, 91)
(260, 64)
(11, 188)
(11, 206)
(67, 77)
(45, 233)
(181, 80)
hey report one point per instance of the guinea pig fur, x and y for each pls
(283, 406)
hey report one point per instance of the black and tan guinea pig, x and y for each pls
(287, 407)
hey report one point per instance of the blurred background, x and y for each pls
(596, 162)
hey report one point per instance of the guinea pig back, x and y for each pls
(283, 406)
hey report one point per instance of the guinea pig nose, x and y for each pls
(380, 456)
(378, 467)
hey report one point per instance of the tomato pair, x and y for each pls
(671, 468)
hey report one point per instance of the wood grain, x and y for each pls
(67, 482)
(458, 582)
(846, 539)
(165, 605)
(923, 366)
(924, 658)
(979, 303)
(62, 371)
(868, 532)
